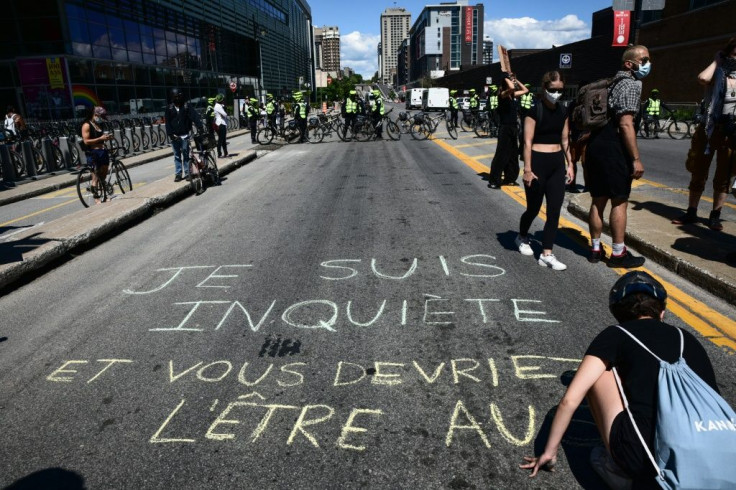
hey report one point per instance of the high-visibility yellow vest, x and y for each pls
(474, 102)
(654, 107)
(526, 101)
(453, 103)
(350, 106)
(378, 107)
(300, 110)
(270, 108)
(493, 101)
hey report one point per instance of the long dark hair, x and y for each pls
(730, 45)
(88, 114)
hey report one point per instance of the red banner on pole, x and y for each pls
(468, 24)
(621, 27)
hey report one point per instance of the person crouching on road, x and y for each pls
(94, 139)
(254, 113)
(221, 125)
(638, 302)
(377, 112)
(546, 167)
(180, 116)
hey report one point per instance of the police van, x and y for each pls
(414, 98)
(436, 99)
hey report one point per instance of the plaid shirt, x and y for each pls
(625, 96)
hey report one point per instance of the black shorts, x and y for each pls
(608, 167)
(628, 452)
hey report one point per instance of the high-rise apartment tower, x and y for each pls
(327, 48)
(395, 23)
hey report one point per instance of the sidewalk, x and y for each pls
(40, 247)
(704, 257)
(27, 188)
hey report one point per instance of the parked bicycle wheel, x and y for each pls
(145, 140)
(483, 129)
(451, 129)
(136, 141)
(467, 123)
(420, 131)
(154, 139)
(678, 129)
(88, 193)
(162, 137)
(315, 134)
(212, 172)
(292, 134)
(74, 153)
(20, 168)
(122, 177)
(59, 162)
(393, 131)
(265, 135)
(648, 129)
(195, 179)
(364, 131)
(125, 143)
(38, 160)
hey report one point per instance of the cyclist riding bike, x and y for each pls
(652, 109)
(94, 145)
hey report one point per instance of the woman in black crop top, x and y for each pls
(94, 140)
(546, 167)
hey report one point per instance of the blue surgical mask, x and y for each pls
(643, 70)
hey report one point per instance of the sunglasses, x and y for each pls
(554, 90)
(643, 60)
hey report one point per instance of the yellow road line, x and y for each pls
(714, 326)
(36, 213)
(641, 182)
(487, 155)
(470, 145)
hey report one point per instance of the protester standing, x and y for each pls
(546, 167)
(613, 159)
(221, 125)
(180, 116)
(506, 159)
(712, 137)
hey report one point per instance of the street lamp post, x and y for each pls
(259, 33)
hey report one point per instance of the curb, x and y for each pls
(702, 278)
(149, 157)
(60, 237)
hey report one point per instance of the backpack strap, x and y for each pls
(682, 341)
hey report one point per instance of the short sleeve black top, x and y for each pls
(638, 369)
(506, 111)
(549, 130)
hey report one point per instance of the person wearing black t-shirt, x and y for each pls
(637, 301)
(506, 159)
(546, 167)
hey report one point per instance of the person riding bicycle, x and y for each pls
(349, 111)
(300, 114)
(454, 105)
(377, 112)
(652, 109)
(98, 158)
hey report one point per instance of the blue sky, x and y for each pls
(515, 24)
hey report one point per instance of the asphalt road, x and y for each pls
(342, 315)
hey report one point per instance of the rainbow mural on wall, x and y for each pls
(84, 96)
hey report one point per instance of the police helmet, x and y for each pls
(453, 92)
(493, 88)
(655, 91)
(376, 93)
(472, 91)
(636, 282)
(219, 97)
(253, 100)
(269, 96)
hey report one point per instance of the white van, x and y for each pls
(414, 98)
(436, 99)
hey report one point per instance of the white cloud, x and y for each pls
(530, 33)
(359, 52)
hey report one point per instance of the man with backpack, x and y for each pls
(613, 159)
(636, 406)
(180, 116)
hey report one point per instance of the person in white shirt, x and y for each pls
(221, 123)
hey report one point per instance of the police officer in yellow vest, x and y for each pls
(349, 111)
(454, 106)
(300, 115)
(254, 113)
(653, 108)
(271, 111)
(377, 112)
(474, 102)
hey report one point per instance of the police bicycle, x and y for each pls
(203, 169)
(365, 129)
(289, 132)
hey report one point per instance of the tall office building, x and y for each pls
(445, 37)
(487, 51)
(327, 48)
(394, 29)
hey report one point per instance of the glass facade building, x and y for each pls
(59, 55)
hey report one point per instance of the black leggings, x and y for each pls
(550, 183)
(222, 140)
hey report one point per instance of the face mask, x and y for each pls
(553, 97)
(643, 70)
(98, 120)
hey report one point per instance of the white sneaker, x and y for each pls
(523, 246)
(552, 262)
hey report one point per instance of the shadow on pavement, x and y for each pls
(580, 439)
(13, 251)
(49, 479)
